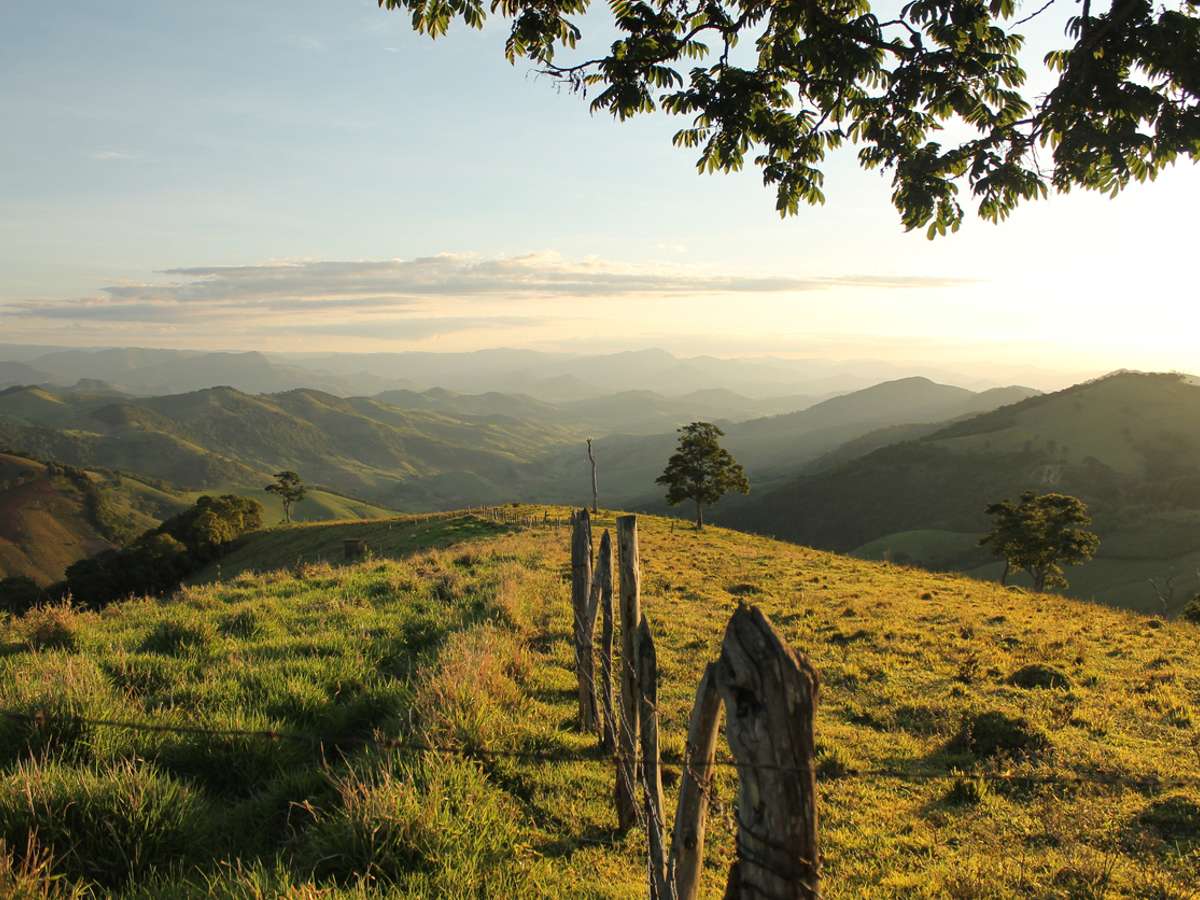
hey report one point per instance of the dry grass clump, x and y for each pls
(53, 626)
(467, 698)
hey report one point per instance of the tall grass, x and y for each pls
(997, 784)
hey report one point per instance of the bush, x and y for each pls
(994, 733)
(105, 825)
(1037, 675)
(1191, 612)
(18, 594)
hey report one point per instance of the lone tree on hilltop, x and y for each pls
(701, 470)
(287, 485)
(1041, 534)
(931, 91)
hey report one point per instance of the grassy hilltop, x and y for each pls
(944, 769)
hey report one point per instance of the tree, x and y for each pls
(287, 485)
(1040, 535)
(701, 470)
(19, 594)
(899, 85)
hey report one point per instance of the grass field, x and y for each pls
(940, 775)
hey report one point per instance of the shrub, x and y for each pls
(1191, 612)
(993, 733)
(104, 825)
(1037, 675)
(20, 594)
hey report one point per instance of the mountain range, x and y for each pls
(552, 377)
(1127, 444)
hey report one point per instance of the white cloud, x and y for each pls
(368, 289)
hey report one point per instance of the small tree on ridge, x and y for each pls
(287, 485)
(1039, 535)
(701, 470)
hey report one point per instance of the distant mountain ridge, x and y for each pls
(551, 377)
(1128, 444)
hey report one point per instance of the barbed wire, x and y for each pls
(419, 746)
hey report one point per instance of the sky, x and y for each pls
(312, 176)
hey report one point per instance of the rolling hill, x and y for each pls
(221, 437)
(1128, 444)
(438, 449)
(771, 448)
(945, 766)
(50, 517)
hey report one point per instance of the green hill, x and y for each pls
(1128, 444)
(467, 648)
(51, 516)
(222, 437)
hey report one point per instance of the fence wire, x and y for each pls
(41, 719)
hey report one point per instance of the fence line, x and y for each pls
(42, 719)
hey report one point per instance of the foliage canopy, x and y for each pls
(701, 469)
(290, 490)
(1041, 534)
(934, 93)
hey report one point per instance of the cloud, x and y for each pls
(418, 328)
(373, 287)
(112, 155)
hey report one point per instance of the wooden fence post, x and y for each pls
(770, 695)
(691, 813)
(631, 614)
(647, 663)
(581, 594)
(603, 582)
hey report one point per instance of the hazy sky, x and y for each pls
(309, 175)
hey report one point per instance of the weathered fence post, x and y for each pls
(631, 614)
(602, 581)
(592, 460)
(770, 695)
(647, 664)
(585, 624)
(691, 813)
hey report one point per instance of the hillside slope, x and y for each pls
(1128, 444)
(221, 437)
(51, 517)
(771, 447)
(468, 648)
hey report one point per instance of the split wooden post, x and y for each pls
(770, 695)
(691, 813)
(581, 594)
(602, 582)
(592, 460)
(629, 581)
(652, 789)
